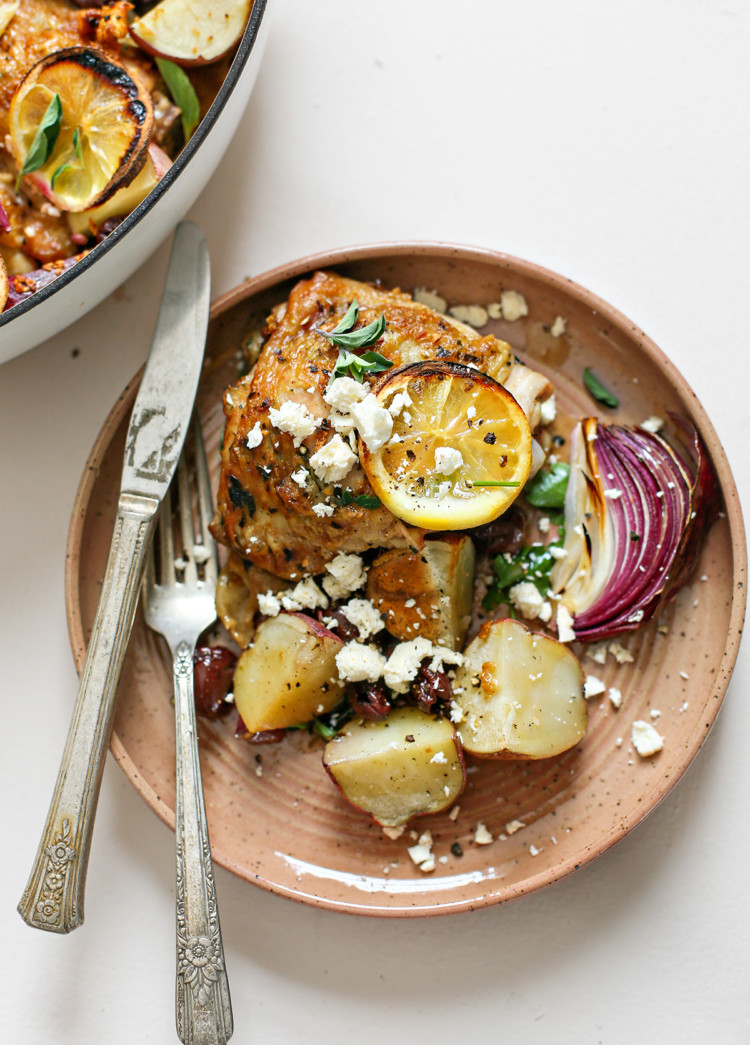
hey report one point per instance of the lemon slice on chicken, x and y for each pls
(100, 138)
(460, 451)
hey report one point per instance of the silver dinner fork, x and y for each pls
(178, 599)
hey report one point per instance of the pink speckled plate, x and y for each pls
(275, 819)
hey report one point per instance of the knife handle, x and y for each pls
(53, 898)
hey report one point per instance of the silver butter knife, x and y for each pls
(54, 894)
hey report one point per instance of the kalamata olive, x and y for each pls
(431, 687)
(213, 670)
(266, 736)
(369, 699)
(502, 536)
(342, 627)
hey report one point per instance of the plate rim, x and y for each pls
(714, 697)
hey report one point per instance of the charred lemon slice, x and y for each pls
(79, 127)
(460, 451)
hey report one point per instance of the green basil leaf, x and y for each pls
(44, 140)
(356, 338)
(547, 488)
(597, 391)
(532, 563)
(348, 320)
(183, 95)
(366, 500)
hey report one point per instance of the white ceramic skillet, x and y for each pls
(112, 261)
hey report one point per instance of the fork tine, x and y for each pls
(185, 512)
(166, 541)
(205, 503)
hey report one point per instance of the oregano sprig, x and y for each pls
(345, 338)
(44, 140)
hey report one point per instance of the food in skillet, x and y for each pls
(96, 101)
(392, 486)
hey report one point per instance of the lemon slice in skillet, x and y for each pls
(79, 127)
(460, 452)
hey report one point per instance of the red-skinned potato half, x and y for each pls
(192, 32)
(403, 766)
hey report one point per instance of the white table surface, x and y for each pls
(606, 141)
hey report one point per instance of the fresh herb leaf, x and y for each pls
(597, 390)
(348, 319)
(547, 488)
(77, 148)
(183, 95)
(496, 482)
(364, 500)
(533, 563)
(44, 140)
(357, 366)
(362, 338)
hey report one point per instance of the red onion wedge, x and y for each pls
(635, 519)
(4, 222)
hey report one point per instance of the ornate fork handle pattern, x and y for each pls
(203, 1006)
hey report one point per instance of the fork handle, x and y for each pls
(203, 1005)
(54, 895)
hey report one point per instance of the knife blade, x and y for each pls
(54, 896)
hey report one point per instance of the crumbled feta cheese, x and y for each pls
(513, 826)
(533, 851)
(269, 604)
(474, 315)
(442, 490)
(439, 758)
(403, 664)
(559, 326)
(341, 423)
(544, 524)
(333, 461)
(254, 436)
(654, 714)
(613, 494)
(514, 305)
(344, 392)
(456, 713)
(564, 622)
(645, 739)
(363, 615)
(358, 663)
(300, 477)
(653, 424)
(442, 655)
(373, 421)
(684, 675)
(615, 696)
(453, 814)
(621, 655)
(447, 460)
(295, 419)
(481, 835)
(598, 652)
(548, 411)
(556, 552)
(323, 511)
(399, 402)
(430, 298)
(525, 597)
(394, 832)
(593, 687)
(304, 596)
(422, 854)
(471, 412)
(346, 574)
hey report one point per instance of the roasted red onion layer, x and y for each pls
(635, 518)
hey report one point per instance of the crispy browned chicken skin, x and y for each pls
(262, 513)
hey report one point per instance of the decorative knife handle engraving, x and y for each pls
(203, 1005)
(54, 895)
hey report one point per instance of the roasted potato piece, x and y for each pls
(521, 694)
(237, 592)
(288, 675)
(426, 593)
(399, 767)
